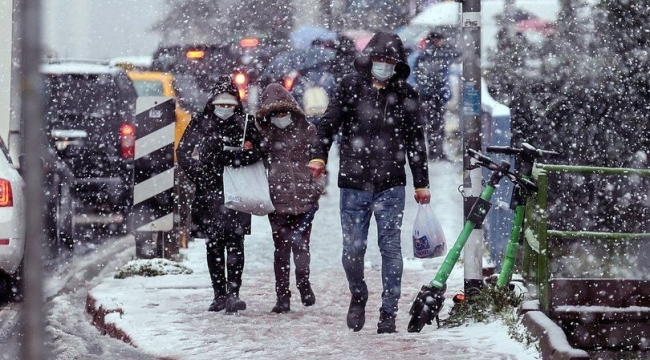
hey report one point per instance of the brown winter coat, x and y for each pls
(288, 151)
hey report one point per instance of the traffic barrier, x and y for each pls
(153, 191)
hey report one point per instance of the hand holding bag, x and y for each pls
(428, 239)
(246, 188)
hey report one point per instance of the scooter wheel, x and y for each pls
(419, 319)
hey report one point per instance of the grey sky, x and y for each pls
(101, 28)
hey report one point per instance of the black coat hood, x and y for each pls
(383, 44)
(223, 84)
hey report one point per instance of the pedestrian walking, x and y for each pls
(378, 115)
(431, 73)
(202, 156)
(288, 143)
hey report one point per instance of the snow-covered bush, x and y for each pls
(151, 267)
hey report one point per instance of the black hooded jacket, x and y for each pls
(201, 155)
(381, 128)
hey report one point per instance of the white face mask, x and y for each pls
(281, 122)
(382, 71)
(223, 112)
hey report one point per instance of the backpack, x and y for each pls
(314, 97)
(431, 77)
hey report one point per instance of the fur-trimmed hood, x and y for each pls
(276, 98)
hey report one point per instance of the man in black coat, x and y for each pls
(378, 114)
(202, 156)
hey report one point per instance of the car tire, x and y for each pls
(16, 283)
(65, 219)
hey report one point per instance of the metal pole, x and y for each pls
(471, 128)
(31, 114)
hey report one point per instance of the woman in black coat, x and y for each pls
(202, 156)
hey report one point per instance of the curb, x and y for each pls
(552, 339)
(98, 314)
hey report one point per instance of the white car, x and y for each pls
(12, 226)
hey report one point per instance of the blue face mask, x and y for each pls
(223, 112)
(382, 71)
(281, 122)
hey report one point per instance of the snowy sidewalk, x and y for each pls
(166, 316)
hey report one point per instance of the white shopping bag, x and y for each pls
(428, 237)
(246, 188)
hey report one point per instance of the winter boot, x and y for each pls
(234, 304)
(307, 295)
(282, 305)
(357, 313)
(219, 303)
(386, 323)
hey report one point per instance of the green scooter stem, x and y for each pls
(513, 246)
(510, 255)
(454, 253)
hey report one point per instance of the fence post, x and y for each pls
(542, 237)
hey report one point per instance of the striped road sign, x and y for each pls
(153, 175)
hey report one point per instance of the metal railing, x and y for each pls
(537, 253)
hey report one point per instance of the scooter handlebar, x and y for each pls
(526, 152)
(503, 150)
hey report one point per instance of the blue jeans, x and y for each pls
(357, 207)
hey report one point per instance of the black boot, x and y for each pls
(357, 313)
(307, 295)
(282, 305)
(386, 323)
(218, 304)
(234, 304)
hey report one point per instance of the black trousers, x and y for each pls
(226, 254)
(433, 110)
(291, 233)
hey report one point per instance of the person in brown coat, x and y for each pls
(288, 141)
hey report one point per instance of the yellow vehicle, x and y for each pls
(152, 83)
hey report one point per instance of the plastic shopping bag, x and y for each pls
(428, 238)
(246, 189)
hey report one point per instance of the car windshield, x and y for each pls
(148, 88)
(92, 94)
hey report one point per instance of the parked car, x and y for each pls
(60, 203)
(12, 226)
(92, 106)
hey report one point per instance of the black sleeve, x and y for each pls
(190, 141)
(329, 124)
(236, 158)
(197, 154)
(415, 141)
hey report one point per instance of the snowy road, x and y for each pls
(69, 332)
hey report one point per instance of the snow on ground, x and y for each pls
(166, 315)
